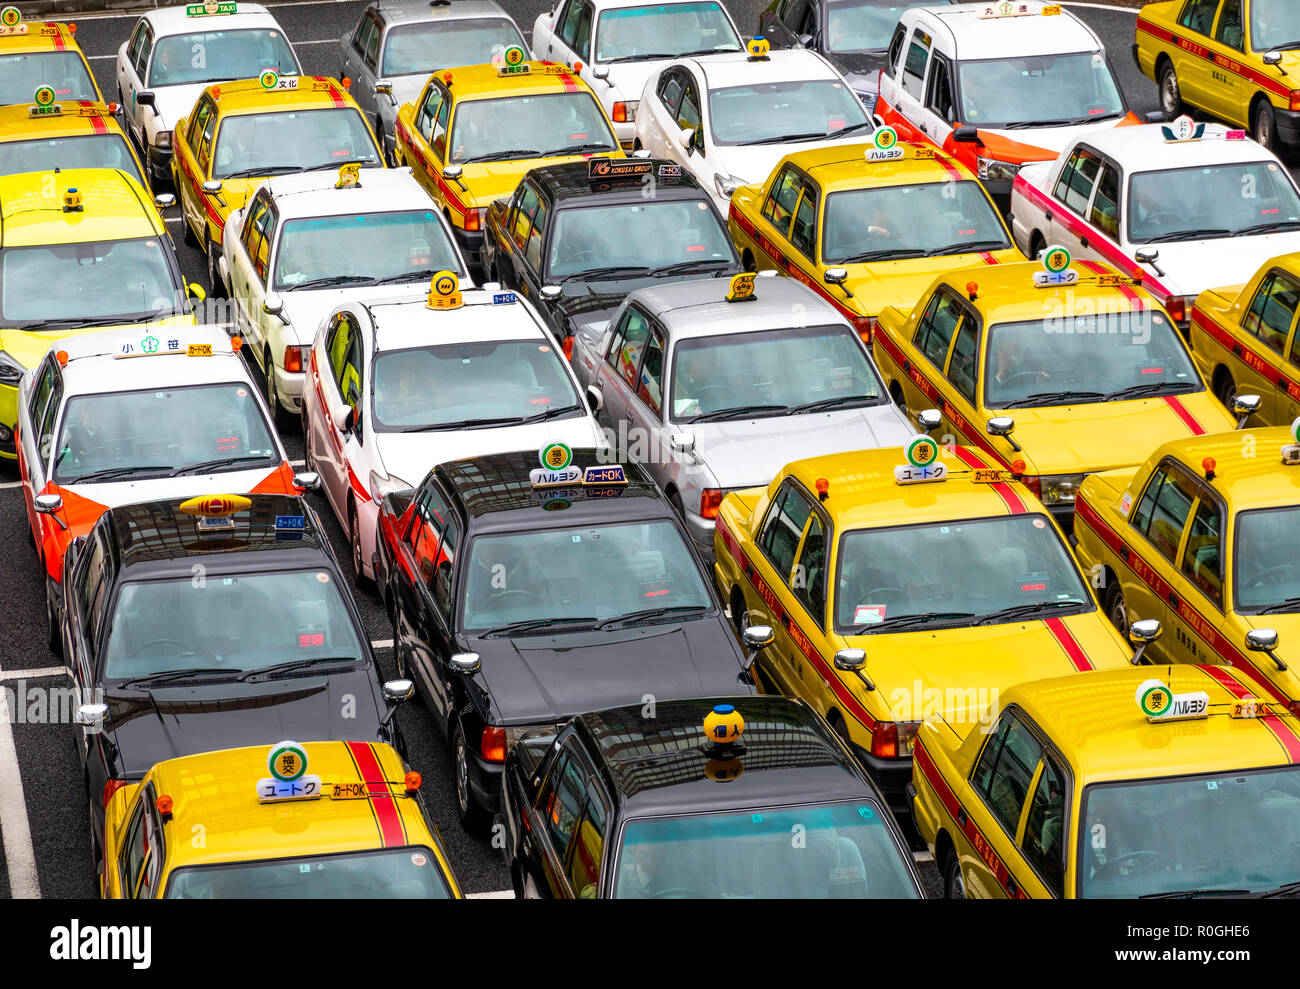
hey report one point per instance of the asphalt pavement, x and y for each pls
(51, 791)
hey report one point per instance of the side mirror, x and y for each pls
(1142, 634)
(600, 71)
(1001, 426)
(1264, 640)
(758, 636)
(682, 442)
(1272, 58)
(835, 276)
(164, 200)
(1245, 406)
(308, 480)
(395, 691)
(551, 291)
(966, 134)
(383, 89)
(344, 418)
(805, 40)
(595, 400)
(684, 137)
(850, 660)
(144, 98)
(48, 504)
(929, 420)
(211, 187)
(465, 663)
(92, 715)
(273, 305)
(452, 172)
(1146, 255)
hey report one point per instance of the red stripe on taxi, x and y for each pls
(1180, 410)
(1015, 504)
(96, 121)
(392, 832)
(1280, 730)
(1219, 61)
(1248, 356)
(1066, 640)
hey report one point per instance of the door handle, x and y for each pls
(1236, 350)
(907, 367)
(1012, 888)
(961, 816)
(1283, 383)
(924, 129)
(1123, 553)
(1047, 215)
(1083, 241)
(1173, 600)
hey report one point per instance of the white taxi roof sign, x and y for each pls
(1016, 8)
(1056, 268)
(1159, 703)
(1182, 130)
(210, 8)
(444, 291)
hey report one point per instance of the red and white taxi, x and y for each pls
(146, 414)
(394, 388)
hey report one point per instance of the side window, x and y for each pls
(1005, 769)
(1229, 32)
(650, 381)
(1044, 841)
(808, 582)
(134, 848)
(533, 253)
(41, 393)
(1203, 557)
(148, 885)
(895, 49)
(1163, 510)
(563, 803)
(134, 46)
(254, 234)
(429, 113)
(359, 35)
(1074, 187)
(1273, 310)
(688, 114)
(634, 333)
(783, 198)
(1105, 204)
(783, 528)
(588, 847)
(670, 92)
(199, 121)
(803, 233)
(439, 139)
(582, 33)
(523, 217)
(339, 343)
(1198, 15)
(430, 520)
(98, 580)
(142, 56)
(371, 52)
(965, 355)
(918, 53)
(350, 380)
(938, 93)
(934, 334)
(569, 25)
(441, 579)
(619, 335)
(793, 14)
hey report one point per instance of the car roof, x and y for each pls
(378, 190)
(1095, 719)
(40, 36)
(1248, 468)
(570, 185)
(977, 37)
(663, 763)
(113, 207)
(173, 20)
(839, 167)
(76, 117)
(699, 307)
(740, 69)
(97, 363)
(407, 323)
(483, 82)
(395, 12)
(602, 5)
(1143, 148)
(250, 96)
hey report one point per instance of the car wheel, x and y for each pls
(472, 816)
(747, 259)
(279, 414)
(1265, 126)
(216, 290)
(354, 540)
(399, 657)
(1037, 245)
(1116, 609)
(53, 634)
(187, 233)
(896, 393)
(1225, 390)
(954, 883)
(1171, 99)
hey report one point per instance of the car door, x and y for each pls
(1271, 317)
(574, 41)
(622, 363)
(1195, 605)
(909, 94)
(351, 47)
(433, 543)
(808, 585)
(193, 154)
(804, 231)
(926, 357)
(519, 221)
(341, 389)
(365, 63)
(892, 71)
(688, 115)
(555, 815)
(962, 375)
(1229, 93)
(778, 539)
(37, 435)
(937, 112)
(1288, 397)
(248, 270)
(1194, 79)
(532, 260)
(777, 216)
(1073, 190)
(1153, 547)
(130, 79)
(645, 398)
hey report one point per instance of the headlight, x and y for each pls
(997, 171)
(1058, 489)
(726, 184)
(163, 140)
(10, 370)
(625, 111)
(385, 484)
(869, 101)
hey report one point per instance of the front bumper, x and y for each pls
(1288, 126)
(1063, 515)
(160, 163)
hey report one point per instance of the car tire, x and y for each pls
(836, 721)
(279, 414)
(1225, 389)
(896, 395)
(954, 883)
(363, 582)
(216, 289)
(53, 633)
(747, 261)
(1037, 245)
(1263, 125)
(472, 817)
(1116, 608)
(1171, 98)
(187, 233)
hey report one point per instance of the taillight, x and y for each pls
(1295, 99)
(568, 348)
(865, 325)
(474, 219)
(1293, 708)
(493, 744)
(293, 359)
(620, 113)
(1176, 306)
(884, 741)
(710, 502)
(110, 788)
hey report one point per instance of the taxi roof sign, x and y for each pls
(923, 463)
(444, 291)
(758, 48)
(44, 106)
(599, 169)
(1015, 8)
(287, 763)
(741, 288)
(884, 146)
(215, 506)
(349, 176)
(1056, 268)
(210, 7)
(11, 21)
(1159, 703)
(724, 724)
(1182, 130)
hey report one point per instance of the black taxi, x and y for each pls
(729, 797)
(210, 623)
(575, 239)
(522, 595)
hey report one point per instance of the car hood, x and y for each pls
(861, 70)
(1192, 266)
(174, 102)
(167, 722)
(28, 347)
(405, 88)
(489, 180)
(306, 310)
(748, 453)
(877, 284)
(753, 163)
(1041, 143)
(544, 679)
(591, 302)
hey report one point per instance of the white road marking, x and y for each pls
(44, 671)
(11, 484)
(922, 857)
(14, 828)
(381, 643)
(297, 463)
(496, 894)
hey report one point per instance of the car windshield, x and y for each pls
(664, 31)
(503, 128)
(411, 49)
(364, 247)
(797, 110)
(977, 568)
(89, 151)
(1044, 361)
(407, 873)
(779, 370)
(1273, 25)
(1044, 89)
(863, 25)
(252, 144)
(910, 221)
(844, 852)
(1210, 201)
(447, 385)
(649, 234)
(1234, 831)
(88, 281)
(1266, 560)
(215, 56)
(64, 72)
(158, 432)
(595, 572)
(239, 622)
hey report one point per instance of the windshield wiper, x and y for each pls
(170, 675)
(335, 165)
(1053, 398)
(574, 149)
(648, 613)
(110, 472)
(682, 266)
(208, 465)
(462, 424)
(610, 271)
(902, 621)
(549, 413)
(964, 247)
(503, 155)
(135, 317)
(294, 664)
(331, 280)
(715, 50)
(534, 624)
(1286, 889)
(257, 171)
(887, 254)
(1281, 607)
(1154, 388)
(1268, 228)
(1191, 894)
(737, 412)
(1023, 610)
(783, 138)
(833, 403)
(651, 56)
(408, 276)
(1023, 124)
(1200, 234)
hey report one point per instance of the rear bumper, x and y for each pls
(485, 781)
(160, 163)
(470, 243)
(893, 776)
(1288, 126)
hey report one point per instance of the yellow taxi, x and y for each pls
(81, 249)
(475, 131)
(240, 132)
(316, 820)
(1053, 370)
(1202, 537)
(903, 583)
(35, 55)
(42, 136)
(868, 226)
(1168, 782)
(1244, 340)
(1236, 59)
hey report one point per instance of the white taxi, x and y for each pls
(174, 52)
(309, 242)
(144, 414)
(399, 387)
(616, 45)
(1184, 206)
(729, 119)
(998, 85)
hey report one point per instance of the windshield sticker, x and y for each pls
(869, 614)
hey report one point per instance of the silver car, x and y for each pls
(395, 47)
(713, 396)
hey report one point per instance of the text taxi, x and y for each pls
(243, 131)
(901, 584)
(353, 827)
(1236, 59)
(1243, 340)
(48, 134)
(475, 131)
(91, 251)
(1120, 783)
(1201, 537)
(1053, 371)
(866, 238)
(34, 55)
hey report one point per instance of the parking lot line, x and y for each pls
(44, 671)
(14, 829)
(496, 894)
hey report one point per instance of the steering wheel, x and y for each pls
(588, 254)
(707, 390)
(315, 266)
(880, 592)
(1164, 215)
(1289, 568)
(1151, 858)
(502, 595)
(1029, 375)
(185, 649)
(676, 893)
